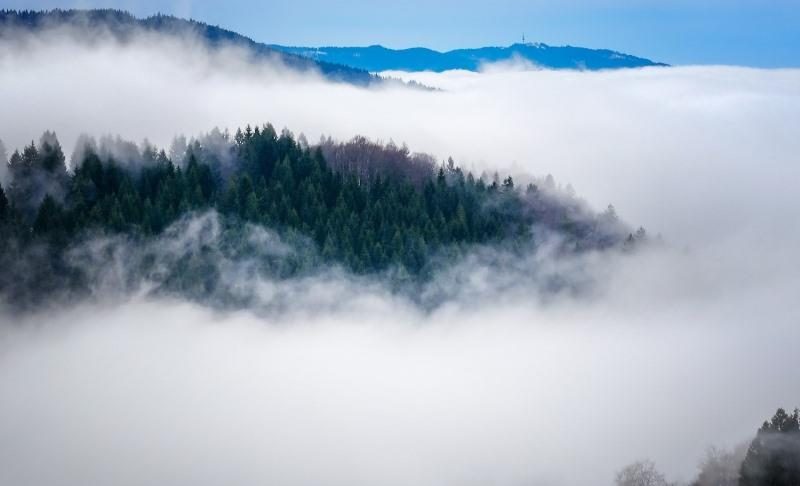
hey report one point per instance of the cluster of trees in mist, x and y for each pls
(366, 206)
(771, 459)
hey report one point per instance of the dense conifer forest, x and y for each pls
(367, 207)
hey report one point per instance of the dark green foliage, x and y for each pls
(4, 209)
(773, 458)
(35, 173)
(389, 210)
(49, 219)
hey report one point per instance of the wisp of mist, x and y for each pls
(680, 346)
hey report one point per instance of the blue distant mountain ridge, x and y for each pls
(379, 58)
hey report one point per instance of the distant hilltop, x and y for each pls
(379, 58)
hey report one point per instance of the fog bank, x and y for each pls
(377, 392)
(676, 348)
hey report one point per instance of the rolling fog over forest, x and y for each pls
(480, 371)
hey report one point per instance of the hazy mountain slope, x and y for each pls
(269, 204)
(122, 25)
(379, 58)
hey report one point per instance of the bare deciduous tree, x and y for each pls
(721, 467)
(640, 473)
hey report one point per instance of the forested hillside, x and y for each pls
(367, 207)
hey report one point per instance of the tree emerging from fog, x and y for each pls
(773, 458)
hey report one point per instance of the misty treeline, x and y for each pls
(368, 207)
(772, 458)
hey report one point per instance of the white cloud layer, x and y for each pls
(680, 349)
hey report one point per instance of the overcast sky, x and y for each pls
(762, 33)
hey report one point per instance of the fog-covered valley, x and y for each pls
(483, 373)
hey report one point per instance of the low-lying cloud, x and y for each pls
(512, 392)
(677, 348)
